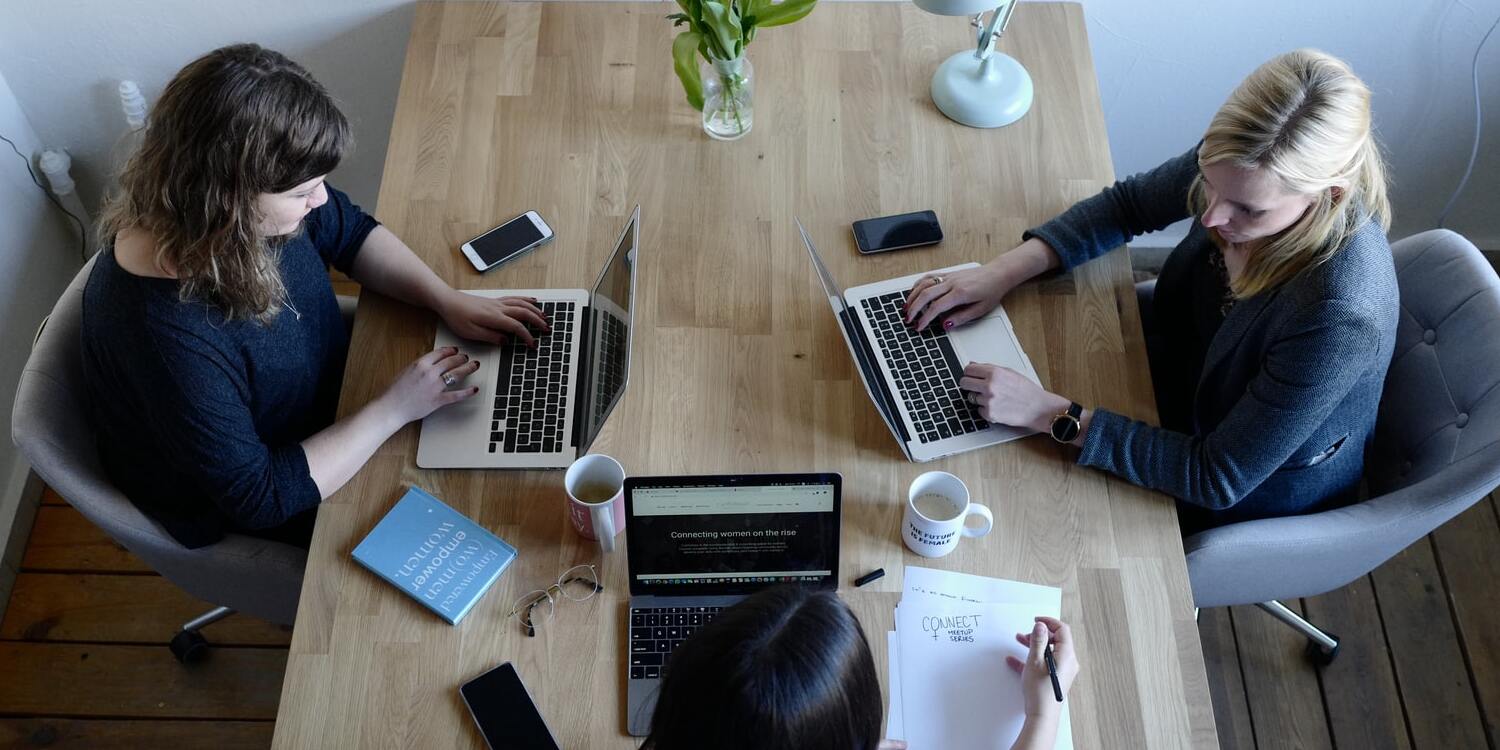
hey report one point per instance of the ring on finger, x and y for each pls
(973, 398)
(937, 280)
(449, 380)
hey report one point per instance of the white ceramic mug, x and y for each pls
(596, 498)
(937, 511)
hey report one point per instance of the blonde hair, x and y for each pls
(240, 121)
(1304, 118)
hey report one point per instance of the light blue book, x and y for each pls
(434, 554)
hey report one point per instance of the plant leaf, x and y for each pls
(784, 13)
(685, 62)
(724, 23)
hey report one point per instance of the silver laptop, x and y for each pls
(698, 545)
(541, 408)
(913, 376)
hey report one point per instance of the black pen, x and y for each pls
(1052, 672)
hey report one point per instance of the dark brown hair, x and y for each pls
(786, 668)
(237, 122)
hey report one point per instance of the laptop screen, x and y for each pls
(736, 534)
(609, 335)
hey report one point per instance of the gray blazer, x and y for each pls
(1290, 382)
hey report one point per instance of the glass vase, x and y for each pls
(728, 98)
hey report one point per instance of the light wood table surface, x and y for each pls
(573, 110)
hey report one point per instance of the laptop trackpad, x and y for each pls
(990, 340)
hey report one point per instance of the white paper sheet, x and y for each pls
(957, 691)
(920, 700)
(971, 588)
(894, 726)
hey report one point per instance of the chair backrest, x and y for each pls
(1436, 449)
(51, 427)
(1441, 402)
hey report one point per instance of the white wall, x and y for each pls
(1163, 68)
(65, 59)
(40, 253)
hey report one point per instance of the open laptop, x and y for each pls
(701, 544)
(541, 408)
(913, 376)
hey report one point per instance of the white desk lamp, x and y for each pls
(983, 88)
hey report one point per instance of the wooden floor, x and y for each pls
(84, 662)
(1419, 662)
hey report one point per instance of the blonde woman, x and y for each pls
(1272, 323)
(213, 345)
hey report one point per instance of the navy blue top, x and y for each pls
(200, 420)
(1283, 387)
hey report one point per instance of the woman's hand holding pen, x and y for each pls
(1036, 683)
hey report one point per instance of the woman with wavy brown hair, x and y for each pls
(213, 343)
(1272, 323)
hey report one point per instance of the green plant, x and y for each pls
(720, 30)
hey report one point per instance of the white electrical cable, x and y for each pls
(1478, 128)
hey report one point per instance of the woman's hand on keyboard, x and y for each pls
(1007, 397)
(421, 388)
(966, 295)
(957, 297)
(493, 320)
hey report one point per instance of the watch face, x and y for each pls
(1064, 428)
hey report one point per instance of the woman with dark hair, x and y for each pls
(213, 344)
(790, 668)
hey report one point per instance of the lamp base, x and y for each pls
(986, 93)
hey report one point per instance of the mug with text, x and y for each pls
(596, 498)
(937, 509)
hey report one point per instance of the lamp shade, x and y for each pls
(957, 7)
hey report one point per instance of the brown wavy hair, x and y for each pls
(237, 122)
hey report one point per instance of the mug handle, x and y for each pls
(978, 510)
(603, 516)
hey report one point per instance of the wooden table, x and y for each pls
(573, 110)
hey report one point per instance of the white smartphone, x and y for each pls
(508, 241)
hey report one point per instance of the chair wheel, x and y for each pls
(189, 646)
(1320, 656)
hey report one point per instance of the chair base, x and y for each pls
(1322, 647)
(189, 646)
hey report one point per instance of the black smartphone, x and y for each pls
(897, 232)
(505, 713)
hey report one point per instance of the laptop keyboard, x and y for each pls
(531, 394)
(655, 632)
(611, 367)
(926, 371)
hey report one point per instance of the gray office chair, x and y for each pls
(1436, 449)
(50, 425)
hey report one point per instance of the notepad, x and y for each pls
(434, 554)
(950, 686)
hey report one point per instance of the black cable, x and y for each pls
(83, 235)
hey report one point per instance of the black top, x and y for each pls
(1192, 297)
(200, 420)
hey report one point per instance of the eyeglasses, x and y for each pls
(578, 583)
